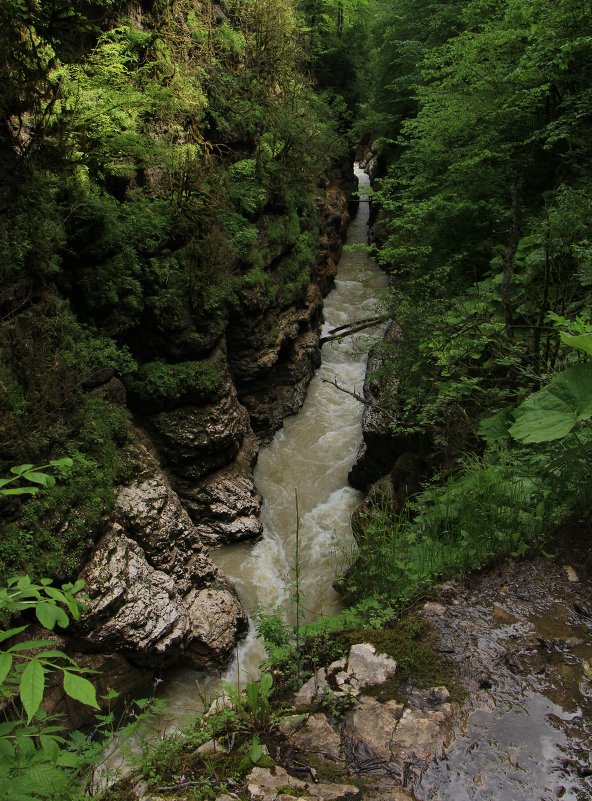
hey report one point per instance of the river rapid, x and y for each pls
(304, 467)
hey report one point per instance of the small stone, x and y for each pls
(211, 747)
(369, 667)
(440, 694)
(307, 694)
(291, 724)
(571, 574)
(574, 642)
(502, 615)
(336, 667)
(432, 609)
(449, 591)
(218, 705)
(139, 790)
(342, 678)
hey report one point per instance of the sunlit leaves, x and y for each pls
(32, 687)
(80, 689)
(30, 473)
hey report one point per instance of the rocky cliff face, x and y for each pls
(382, 445)
(156, 598)
(268, 353)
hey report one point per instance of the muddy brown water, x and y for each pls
(309, 457)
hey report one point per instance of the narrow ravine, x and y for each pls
(310, 457)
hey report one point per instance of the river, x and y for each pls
(309, 458)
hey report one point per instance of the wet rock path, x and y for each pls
(521, 638)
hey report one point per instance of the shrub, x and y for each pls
(157, 385)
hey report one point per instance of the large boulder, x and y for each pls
(155, 595)
(225, 505)
(197, 440)
(384, 737)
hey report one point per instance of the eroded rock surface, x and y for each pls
(196, 440)
(225, 505)
(155, 595)
(273, 356)
(315, 735)
(390, 741)
(386, 737)
(368, 667)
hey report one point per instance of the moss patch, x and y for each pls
(413, 643)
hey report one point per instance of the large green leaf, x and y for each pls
(40, 478)
(19, 469)
(49, 614)
(582, 342)
(80, 689)
(31, 687)
(7, 750)
(495, 428)
(6, 635)
(553, 412)
(5, 665)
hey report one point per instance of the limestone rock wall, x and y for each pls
(381, 446)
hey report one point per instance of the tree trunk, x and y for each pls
(509, 255)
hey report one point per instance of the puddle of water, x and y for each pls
(511, 753)
(529, 737)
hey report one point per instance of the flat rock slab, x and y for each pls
(315, 735)
(368, 667)
(274, 784)
(384, 737)
(310, 692)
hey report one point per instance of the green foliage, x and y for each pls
(252, 706)
(493, 509)
(35, 761)
(554, 412)
(145, 163)
(245, 192)
(173, 758)
(45, 533)
(28, 472)
(157, 385)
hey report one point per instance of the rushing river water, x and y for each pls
(309, 458)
